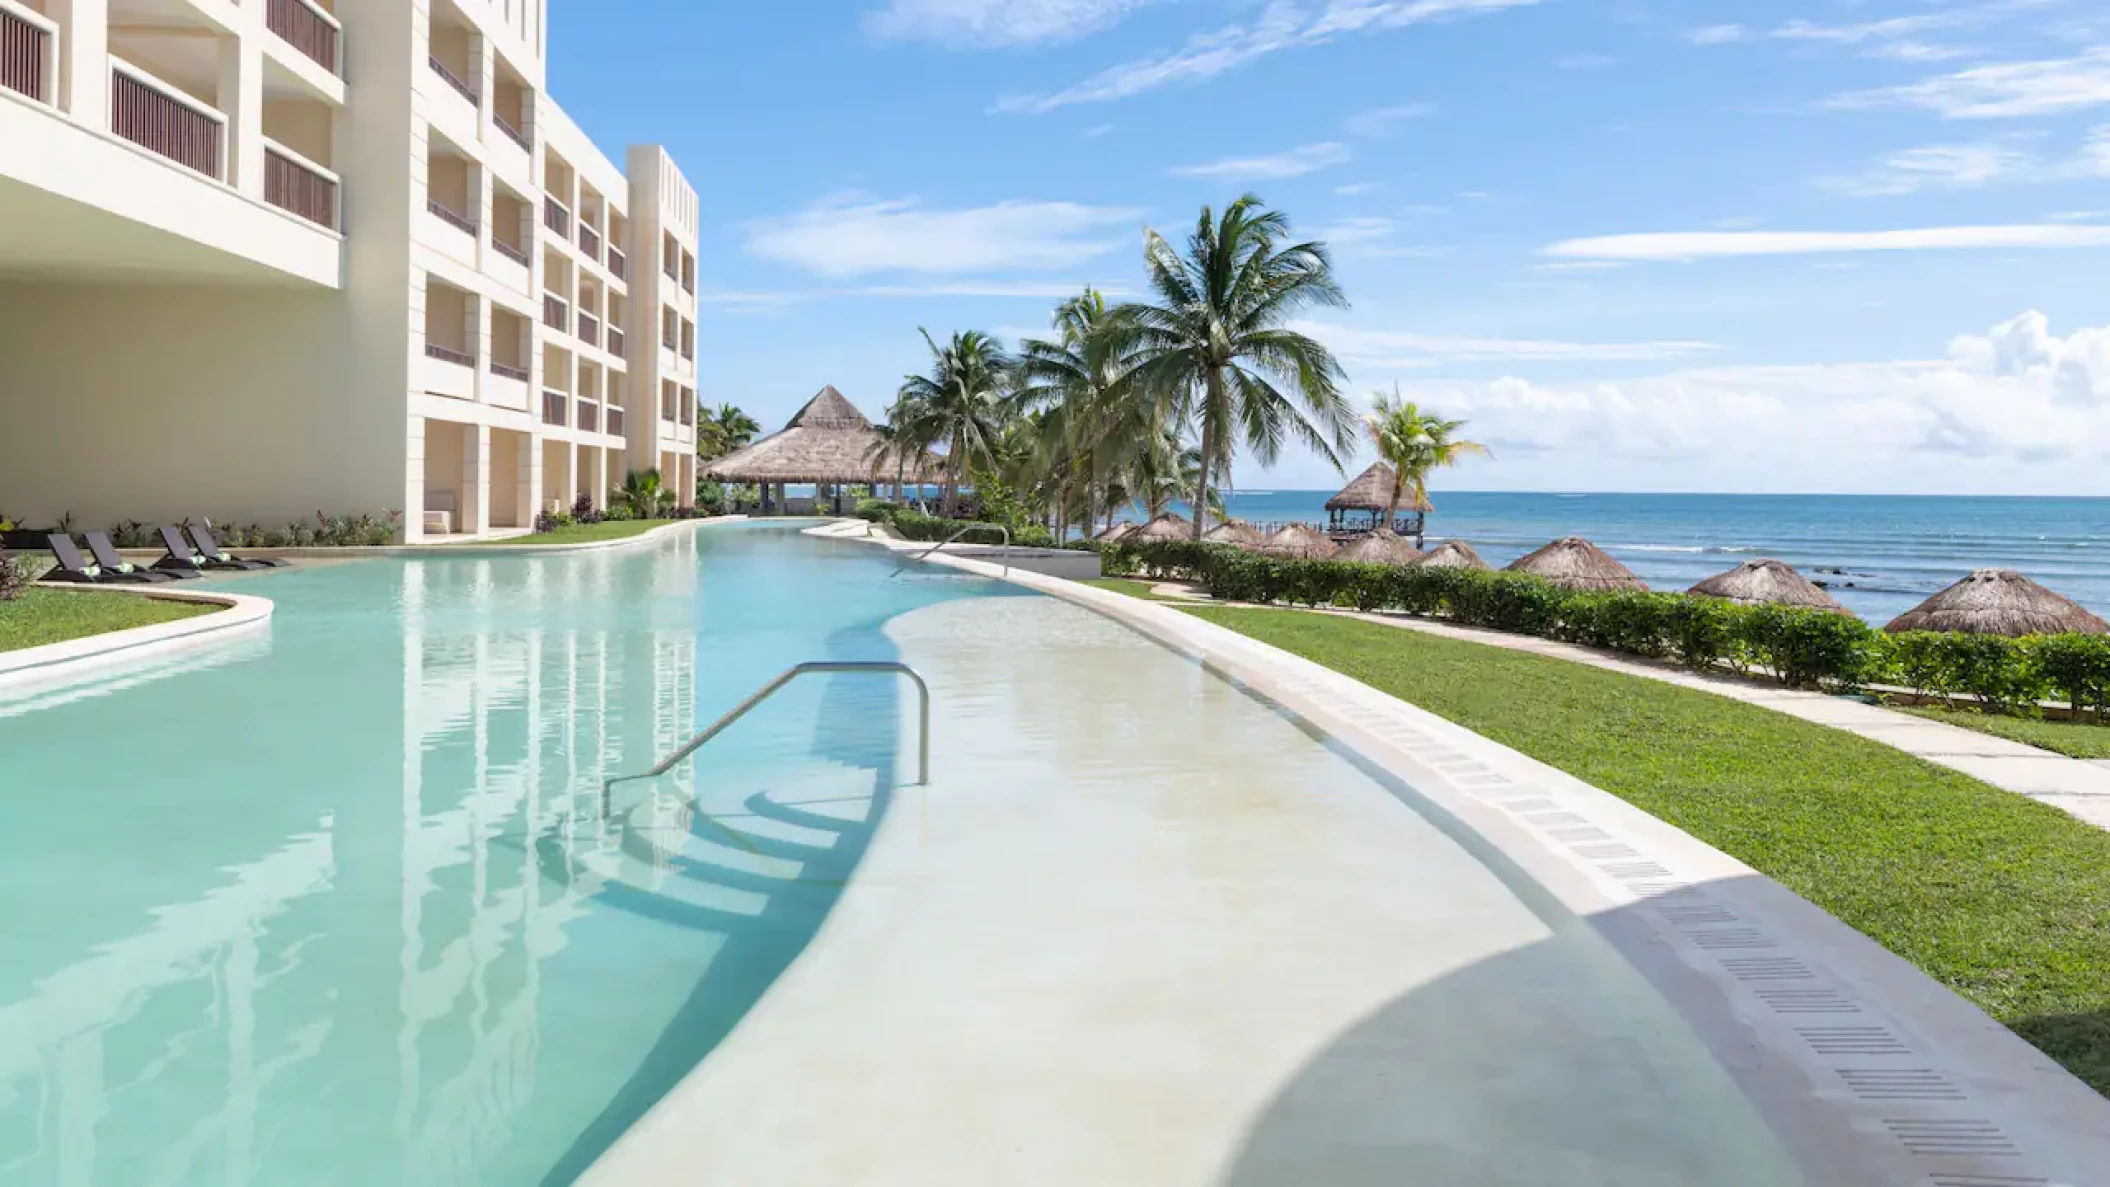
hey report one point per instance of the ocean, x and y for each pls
(1879, 554)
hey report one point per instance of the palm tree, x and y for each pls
(962, 403)
(1216, 341)
(1096, 417)
(642, 493)
(723, 431)
(1413, 443)
(893, 448)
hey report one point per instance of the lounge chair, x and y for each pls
(75, 569)
(182, 557)
(209, 548)
(117, 568)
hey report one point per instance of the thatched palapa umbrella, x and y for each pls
(1999, 602)
(1117, 533)
(1300, 542)
(1164, 527)
(1575, 563)
(1767, 582)
(1235, 532)
(1454, 554)
(1381, 547)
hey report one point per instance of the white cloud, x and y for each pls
(1695, 245)
(2005, 90)
(855, 234)
(1372, 238)
(2014, 396)
(1718, 35)
(1282, 25)
(1936, 167)
(996, 22)
(1381, 349)
(1357, 189)
(1379, 121)
(1296, 162)
(1917, 51)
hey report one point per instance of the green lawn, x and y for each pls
(584, 533)
(2076, 739)
(1135, 589)
(43, 616)
(2004, 900)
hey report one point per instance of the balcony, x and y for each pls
(688, 351)
(512, 133)
(688, 411)
(556, 216)
(618, 263)
(615, 421)
(589, 328)
(615, 342)
(590, 242)
(448, 354)
(452, 218)
(29, 54)
(515, 254)
(163, 120)
(454, 80)
(554, 408)
(672, 270)
(555, 313)
(308, 29)
(507, 372)
(589, 416)
(299, 186)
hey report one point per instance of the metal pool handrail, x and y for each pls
(769, 690)
(973, 527)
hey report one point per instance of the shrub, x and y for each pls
(2076, 667)
(1514, 602)
(618, 513)
(582, 510)
(1807, 648)
(14, 577)
(1633, 622)
(1916, 661)
(1704, 632)
(1992, 668)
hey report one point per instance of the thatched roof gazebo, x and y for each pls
(1117, 533)
(1237, 533)
(1767, 582)
(1300, 542)
(1999, 602)
(1164, 527)
(828, 444)
(1371, 493)
(1381, 547)
(1574, 563)
(1454, 554)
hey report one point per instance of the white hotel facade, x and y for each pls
(263, 258)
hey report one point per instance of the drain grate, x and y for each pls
(1635, 871)
(1665, 890)
(1768, 968)
(1537, 805)
(1731, 938)
(1550, 819)
(1852, 1040)
(1986, 1181)
(1606, 852)
(1962, 1139)
(1808, 1001)
(1693, 916)
(1900, 1084)
(1584, 833)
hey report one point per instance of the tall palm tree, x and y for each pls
(1094, 416)
(1216, 339)
(962, 403)
(1413, 443)
(722, 431)
(893, 449)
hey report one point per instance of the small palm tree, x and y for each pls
(963, 403)
(1413, 443)
(1216, 340)
(1096, 417)
(642, 493)
(722, 431)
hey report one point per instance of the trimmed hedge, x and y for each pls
(1803, 648)
(914, 525)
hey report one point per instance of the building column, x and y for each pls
(241, 99)
(84, 59)
(476, 479)
(414, 482)
(529, 499)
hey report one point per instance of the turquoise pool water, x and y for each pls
(337, 905)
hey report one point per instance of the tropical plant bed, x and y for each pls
(2004, 900)
(43, 616)
(2075, 739)
(576, 533)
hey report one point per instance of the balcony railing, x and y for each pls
(589, 416)
(306, 28)
(455, 80)
(589, 328)
(553, 408)
(688, 411)
(618, 263)
(452, 218)
(615, 342)
(512, 133)
(555, 313)
(590, 242)
(295, 184)
(615, 421)
(688, 278)
(509, 372)
(510, 252)
(448, 354)
(556, 216)
(29, 54)
(163, 120)
(688, 350)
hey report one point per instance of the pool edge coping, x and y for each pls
(2000, 1080)
(238, 613)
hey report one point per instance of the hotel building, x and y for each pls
(263, 258)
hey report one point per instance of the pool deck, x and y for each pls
(852, 1068)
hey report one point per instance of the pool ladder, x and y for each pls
(771, 689)
(973, 527)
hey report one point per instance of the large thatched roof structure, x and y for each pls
(1765, 582)
(1999, 602)
(1381, 547)
(1164, 527)
(1236, 532)
(1372, 491)
(1454, 554)
(1575, 563)
(829, 441)
(1117, 533)
(1300, 542)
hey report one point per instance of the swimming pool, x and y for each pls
(340, 907)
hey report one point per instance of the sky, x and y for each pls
(1641, 245)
